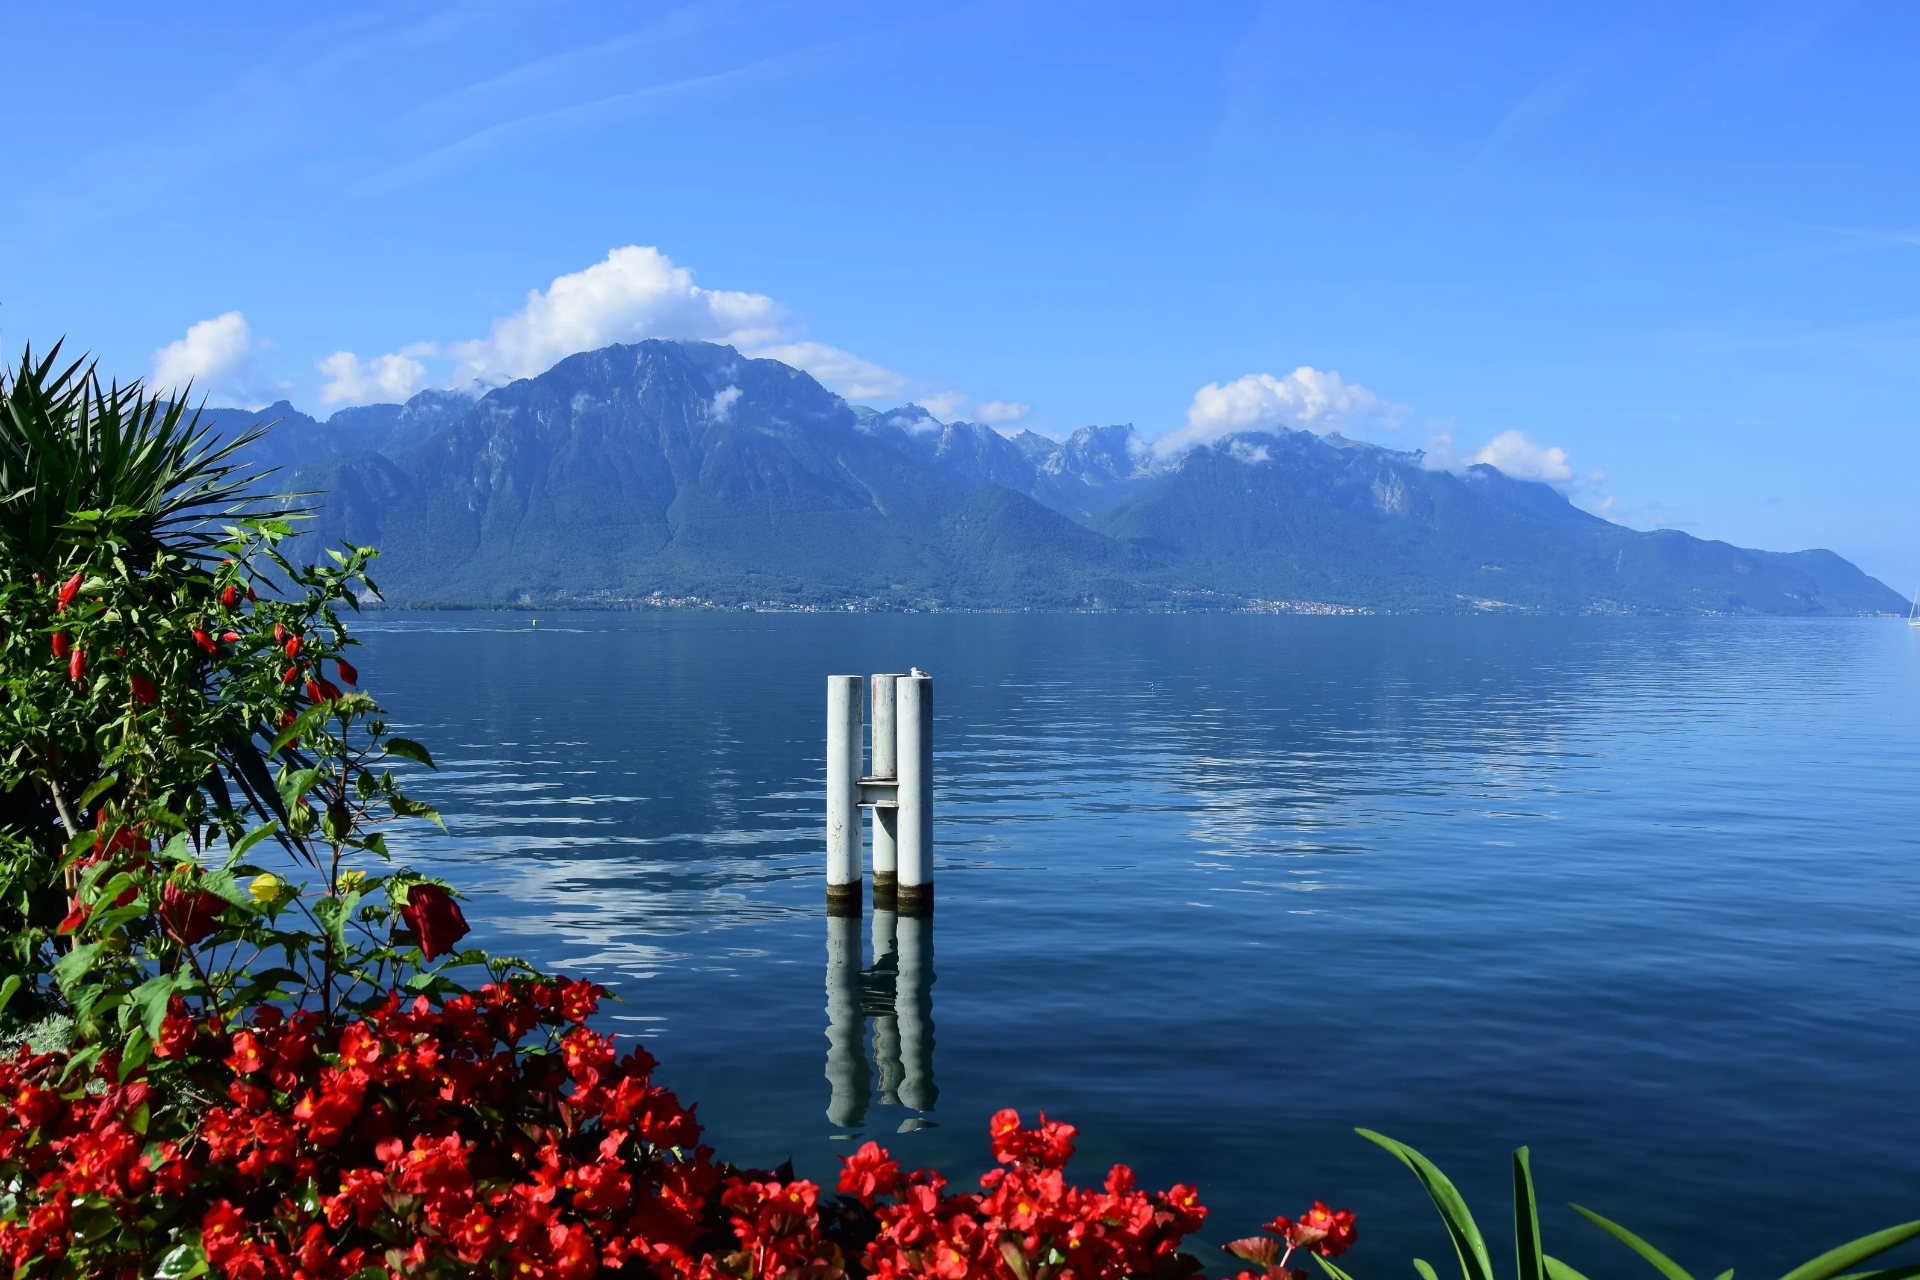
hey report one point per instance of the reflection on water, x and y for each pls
(895, 993)
(1638, 892)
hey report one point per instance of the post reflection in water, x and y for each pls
(896, 991)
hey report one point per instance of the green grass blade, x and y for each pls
(1467, 1241)
(1725, 1275)
(1558, 1270)
(1891, 1273)
(1333, 1272)
(1661, 1262)
(1425, 1270)
(1834, 1261)
(1526, 1220)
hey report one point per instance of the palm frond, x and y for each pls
(70, 444)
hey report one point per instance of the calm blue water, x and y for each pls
(1640, 893)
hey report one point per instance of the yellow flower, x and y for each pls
(351, 880)
(265, 888)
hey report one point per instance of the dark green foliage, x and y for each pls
(69, 443)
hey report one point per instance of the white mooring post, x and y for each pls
(913, 726)
(899, 791)
(843, 793)
(885, 769)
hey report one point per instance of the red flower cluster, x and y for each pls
(1027, 1222)
(1327, 1232)
(413, 1140)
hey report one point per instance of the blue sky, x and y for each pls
(1679, 244)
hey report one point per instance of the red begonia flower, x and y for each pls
(869, 1172)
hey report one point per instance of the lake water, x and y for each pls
(1216, 889)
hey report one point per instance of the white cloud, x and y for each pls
(1517, 455)
(995, 412)
(633, 293)
(381, 380)
(838, 370)
(214, 357)
(723, 403)
(1249, 453)
(1307, 398)
(944, 405)
(637, 292)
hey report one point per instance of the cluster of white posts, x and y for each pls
(899, 790)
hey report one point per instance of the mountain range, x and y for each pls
(682, 471)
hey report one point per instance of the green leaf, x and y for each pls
(79, 847)
(74, 965)
(151, 997)
(178, 850)
(1467, 1241)
(222, 885)
(334, 914)
(1834, 1261)
(1890, 1273)
(1558, 1270)
(1661, 1262)
(303, 724)
(182, 1262)
(1526, 1220)
(408, 749)
(1425, 1269)
(295, 784)
(100, 787)
(405, 808)
(7, 990)
(251, 839)
(136, 1053)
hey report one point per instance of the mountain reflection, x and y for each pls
(896, 992)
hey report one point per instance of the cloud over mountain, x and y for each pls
(1310, 399)
(634, 292)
